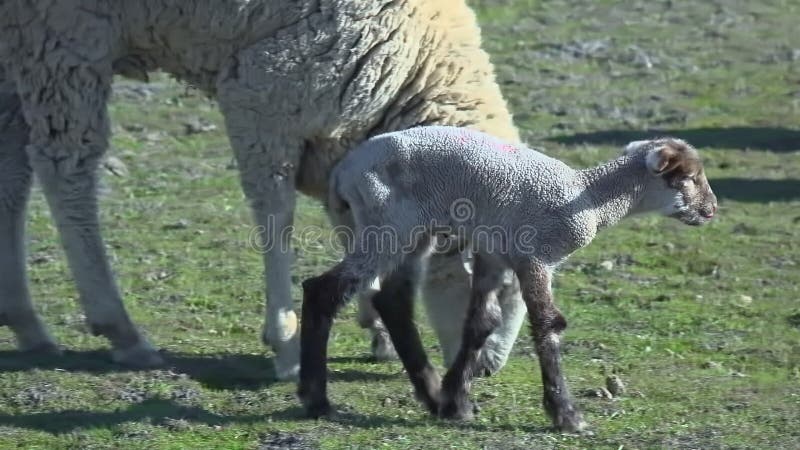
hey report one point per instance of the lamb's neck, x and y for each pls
(615, 188)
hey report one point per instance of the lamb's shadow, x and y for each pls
(754, 138)
(215, 371)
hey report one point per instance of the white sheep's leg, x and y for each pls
(499, 344)
(446, 293)
(268, 166)
(66, 111)
(547, 323)
(381, 346)
(16, 309)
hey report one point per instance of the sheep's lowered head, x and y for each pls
(679, 187)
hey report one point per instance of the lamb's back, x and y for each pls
(452, 161)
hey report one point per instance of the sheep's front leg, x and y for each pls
(66, 110)
(446, 293)
(16, 310)
(268, 165)
(483, 316)
(547, 323)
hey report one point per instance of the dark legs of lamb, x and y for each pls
(395, 305)
(323, 296)
(483, 316)
(547, 323)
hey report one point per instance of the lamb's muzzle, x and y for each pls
(410, 181)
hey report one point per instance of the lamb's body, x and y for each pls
(466, 182)
(299, 83)
(514, 208)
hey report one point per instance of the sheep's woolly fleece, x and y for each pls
(331, 71)
(299, 83)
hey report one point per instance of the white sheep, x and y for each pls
(299, 83)
(517, 210)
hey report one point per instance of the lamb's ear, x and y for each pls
(663, 159)
(633, 146)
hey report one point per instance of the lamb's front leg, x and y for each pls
(547, 323)
(66, 110)
(483, 316)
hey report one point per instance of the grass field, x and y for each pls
(701, 324)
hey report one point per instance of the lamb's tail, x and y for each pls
(337, 207)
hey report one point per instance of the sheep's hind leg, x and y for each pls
(68, 134)
(369, 319)
(547, 323)
(16, 309)
(445, 294)
(483, 316)
(323, 296)
(395, 305)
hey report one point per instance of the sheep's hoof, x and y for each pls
(382, 348)
(570, 422)
(286, 361)
(141, 355)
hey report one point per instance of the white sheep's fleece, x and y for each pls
(300, 83)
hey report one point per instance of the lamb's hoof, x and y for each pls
(460, 412)
(46, 348)
(317, 408)
(382, 347)
(570, 422)
(140, 356)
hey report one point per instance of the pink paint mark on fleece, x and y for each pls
(506, 148)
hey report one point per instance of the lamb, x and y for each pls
(515, 209)
(299, 83)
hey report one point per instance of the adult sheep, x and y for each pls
(299, 83)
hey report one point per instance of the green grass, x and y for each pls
(703, 325)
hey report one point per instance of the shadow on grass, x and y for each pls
(756, 190)
(755, 138)
(155, 411)
(214, 371)
(357, 420)
(159, 411)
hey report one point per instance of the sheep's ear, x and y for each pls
(663, 160)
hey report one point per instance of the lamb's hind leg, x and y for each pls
(395, 305)
(66, 111)
(547, 323)
(323, 296)
(16, 309)
(483, 316)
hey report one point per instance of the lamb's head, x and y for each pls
(679, 187)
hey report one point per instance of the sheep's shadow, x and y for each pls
(160, 411)
(219, 371)
(156, 411)
(755, 138)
